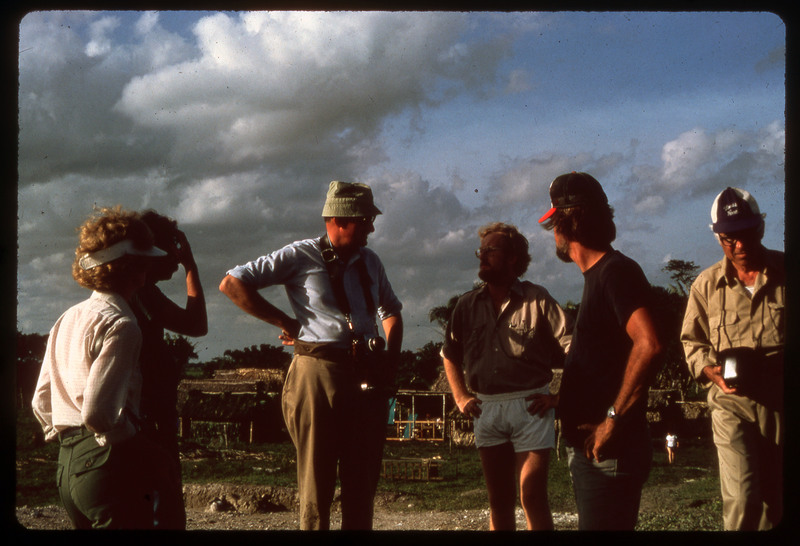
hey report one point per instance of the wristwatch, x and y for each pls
(611, 413)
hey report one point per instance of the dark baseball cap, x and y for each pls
(734, 210)
(573, 189)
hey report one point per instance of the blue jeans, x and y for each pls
(608, 492)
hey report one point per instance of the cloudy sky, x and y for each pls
(234, 123)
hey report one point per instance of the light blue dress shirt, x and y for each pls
(300, 269)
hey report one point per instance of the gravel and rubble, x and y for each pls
(225, 507)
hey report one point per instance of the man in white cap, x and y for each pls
(733, 335)
(89, 390)
(335, 398)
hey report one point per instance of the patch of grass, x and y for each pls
(683, 496)
(264, 464)
(36, 464)
(559, 484)
(461, 486)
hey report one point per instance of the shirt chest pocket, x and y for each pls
(728, 330)
(520, 338)
(774, 325)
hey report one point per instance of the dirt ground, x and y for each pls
(221, 507)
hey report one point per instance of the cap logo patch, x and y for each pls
(732, 209)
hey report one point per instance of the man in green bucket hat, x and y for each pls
(335, 398)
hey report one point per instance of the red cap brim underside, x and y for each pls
(547, 215)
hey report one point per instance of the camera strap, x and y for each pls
(335, 268)
(722, 322)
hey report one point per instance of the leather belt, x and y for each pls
(70, 432)
(324, 351)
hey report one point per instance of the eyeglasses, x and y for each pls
(485, 250)
(365, 220)
(743, 237)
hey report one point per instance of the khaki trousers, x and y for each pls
(333, 423)
(749, 437)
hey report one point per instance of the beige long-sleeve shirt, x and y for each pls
(90, 374)
(513, 351)
(722, 314)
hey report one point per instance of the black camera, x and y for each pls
(367, 357)
(362, 347)
(376, 344)
(738, 367)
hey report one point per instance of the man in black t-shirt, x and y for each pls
(603, 393)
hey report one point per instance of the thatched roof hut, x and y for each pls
(245, 395)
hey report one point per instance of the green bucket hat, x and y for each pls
(349, 200)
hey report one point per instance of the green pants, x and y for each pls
(331, 421)
(749, 437)
(106, 487)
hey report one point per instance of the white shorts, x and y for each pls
(505, 418)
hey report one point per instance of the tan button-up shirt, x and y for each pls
(722, 314)
(90, 374)
(513, 351)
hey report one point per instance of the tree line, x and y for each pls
(417, 370)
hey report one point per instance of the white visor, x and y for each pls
(115, 251)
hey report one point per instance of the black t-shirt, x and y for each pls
(161, 374)
(613, 289)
